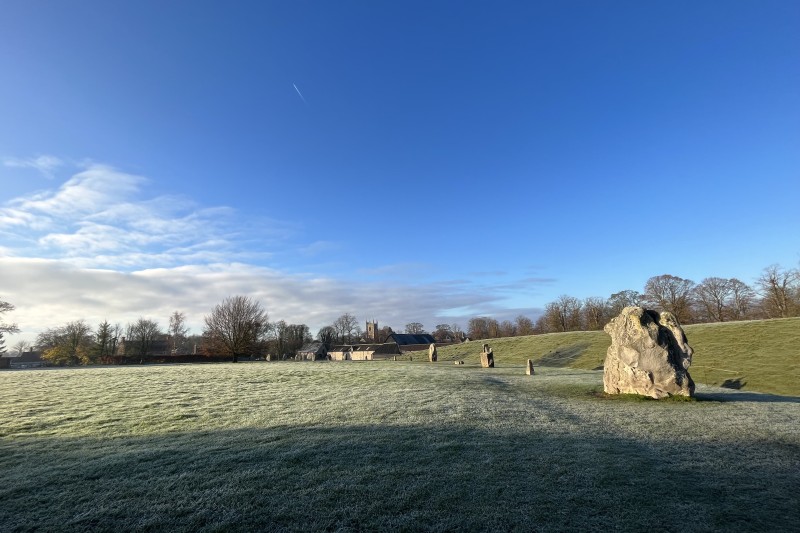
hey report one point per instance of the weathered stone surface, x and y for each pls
(432, 353)
(487, 357)
(649, 355)
(529, 368)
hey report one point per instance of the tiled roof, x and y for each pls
(403, 339)
(311, 347)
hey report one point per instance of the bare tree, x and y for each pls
(21, 347)
(443, 333)
(563, 315)
(482, 327)
(507, 329)
(741, 299)
(778, 288)
(278, 343)
(384, 333)
(524, 325)
(595, 313)
(670, 293)
(6, 307)
(458, 332)
(177, 332)
(551, 320)
(622, 299)
(712, 296)
(140, 336)
(238, 326)
(289, 338)
(415, 328)
(327, 336)
(346, 327)
(70, 344)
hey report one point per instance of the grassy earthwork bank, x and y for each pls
(386, 446)
(762, 355)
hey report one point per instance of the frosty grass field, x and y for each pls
(386, 445)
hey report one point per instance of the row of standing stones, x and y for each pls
(487, 359)
(649, 355)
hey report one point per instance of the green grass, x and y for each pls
(385, 446)
(761, 355)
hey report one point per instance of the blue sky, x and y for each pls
(446, 159)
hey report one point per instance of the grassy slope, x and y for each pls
(760, 355)
(385, 446)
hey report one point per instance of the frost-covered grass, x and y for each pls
(385, 446)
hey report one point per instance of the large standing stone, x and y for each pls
(432, 353)
(649, 355)
(529, 368)
(487, 357)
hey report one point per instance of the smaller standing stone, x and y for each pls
(458, 362)
(529, 369)
(432, 353)
(487, 357)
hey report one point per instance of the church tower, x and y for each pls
(372, 330)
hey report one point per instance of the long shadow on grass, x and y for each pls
(563, 356)
(745, 397)
(395, 478)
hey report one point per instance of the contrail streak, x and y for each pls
(299, 94)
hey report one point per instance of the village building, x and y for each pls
(157, 347)
(312, 352)
(363, 352)
(396, 344)
(30, 359)
(370, 347)
(411, 342)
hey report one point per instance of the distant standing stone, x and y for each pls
(529, 369)
(432, 353)
(487, 357)
(458, 362)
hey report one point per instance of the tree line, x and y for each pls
(237, 327)
(775, 294)
(240, 327)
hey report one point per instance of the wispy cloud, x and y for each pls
(102, 217)
(45, 164)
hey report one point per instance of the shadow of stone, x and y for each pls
(490, 380)
(563, 356)
(733, 384)
(757, 397)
